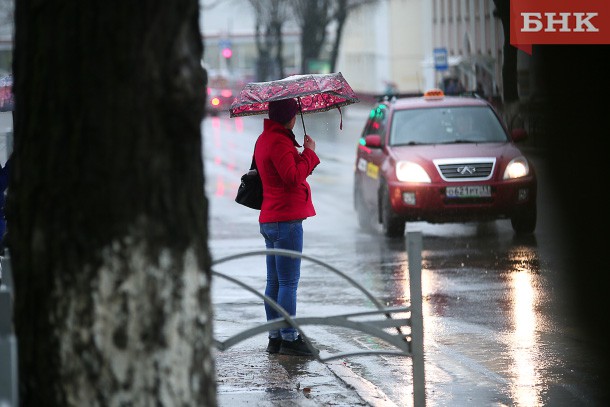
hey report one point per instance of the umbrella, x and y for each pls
(6, 93)
(314, 93)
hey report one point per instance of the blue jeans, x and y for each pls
(283, 272)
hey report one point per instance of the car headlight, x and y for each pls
(407, 171)
(517, 168)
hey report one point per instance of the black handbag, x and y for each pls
(250, 191)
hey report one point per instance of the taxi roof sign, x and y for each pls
(434, 94)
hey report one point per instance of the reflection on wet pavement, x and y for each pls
(276, 380)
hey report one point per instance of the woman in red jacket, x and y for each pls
(286, 203)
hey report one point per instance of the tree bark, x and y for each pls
(106, 208)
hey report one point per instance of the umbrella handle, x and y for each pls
(301, 112)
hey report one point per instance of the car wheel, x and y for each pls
(365, 217)
(393, 226)
(525, 222)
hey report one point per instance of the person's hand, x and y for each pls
(308, 142)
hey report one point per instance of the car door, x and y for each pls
(370, 157)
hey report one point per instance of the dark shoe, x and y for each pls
(274, 345)
(296, 347)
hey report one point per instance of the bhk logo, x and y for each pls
(559, 22)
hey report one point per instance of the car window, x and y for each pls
(376, 122)
(474, 124)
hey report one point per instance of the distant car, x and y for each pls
(219, 100)
(440, 159)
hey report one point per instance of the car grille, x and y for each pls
(465, 169)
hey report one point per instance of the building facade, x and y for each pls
(383, 46)
(474, 40)
(395, 41)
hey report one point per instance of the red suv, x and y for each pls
(439, 159)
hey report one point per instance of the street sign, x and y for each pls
(224, 43)
(225, 49)
(440, 59)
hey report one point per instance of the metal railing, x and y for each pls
(376, 323)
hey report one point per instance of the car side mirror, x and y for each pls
(373, 140)
(518, 134)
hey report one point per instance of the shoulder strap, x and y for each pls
(253, 165)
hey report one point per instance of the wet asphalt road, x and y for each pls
(498, 323)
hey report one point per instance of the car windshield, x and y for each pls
(468, 124)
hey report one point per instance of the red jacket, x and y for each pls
(283, 171)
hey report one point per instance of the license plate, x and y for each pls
(469, 191)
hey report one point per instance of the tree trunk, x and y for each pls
(106, 208)
(509, 65)
(313, 20)
(340, 18)
(276, 28)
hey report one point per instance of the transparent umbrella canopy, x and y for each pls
(313, 92)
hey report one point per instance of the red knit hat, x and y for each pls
(282, 111)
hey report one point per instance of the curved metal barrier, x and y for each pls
(408, 344)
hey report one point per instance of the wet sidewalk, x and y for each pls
(248, 376)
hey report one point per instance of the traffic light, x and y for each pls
(227, 52)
